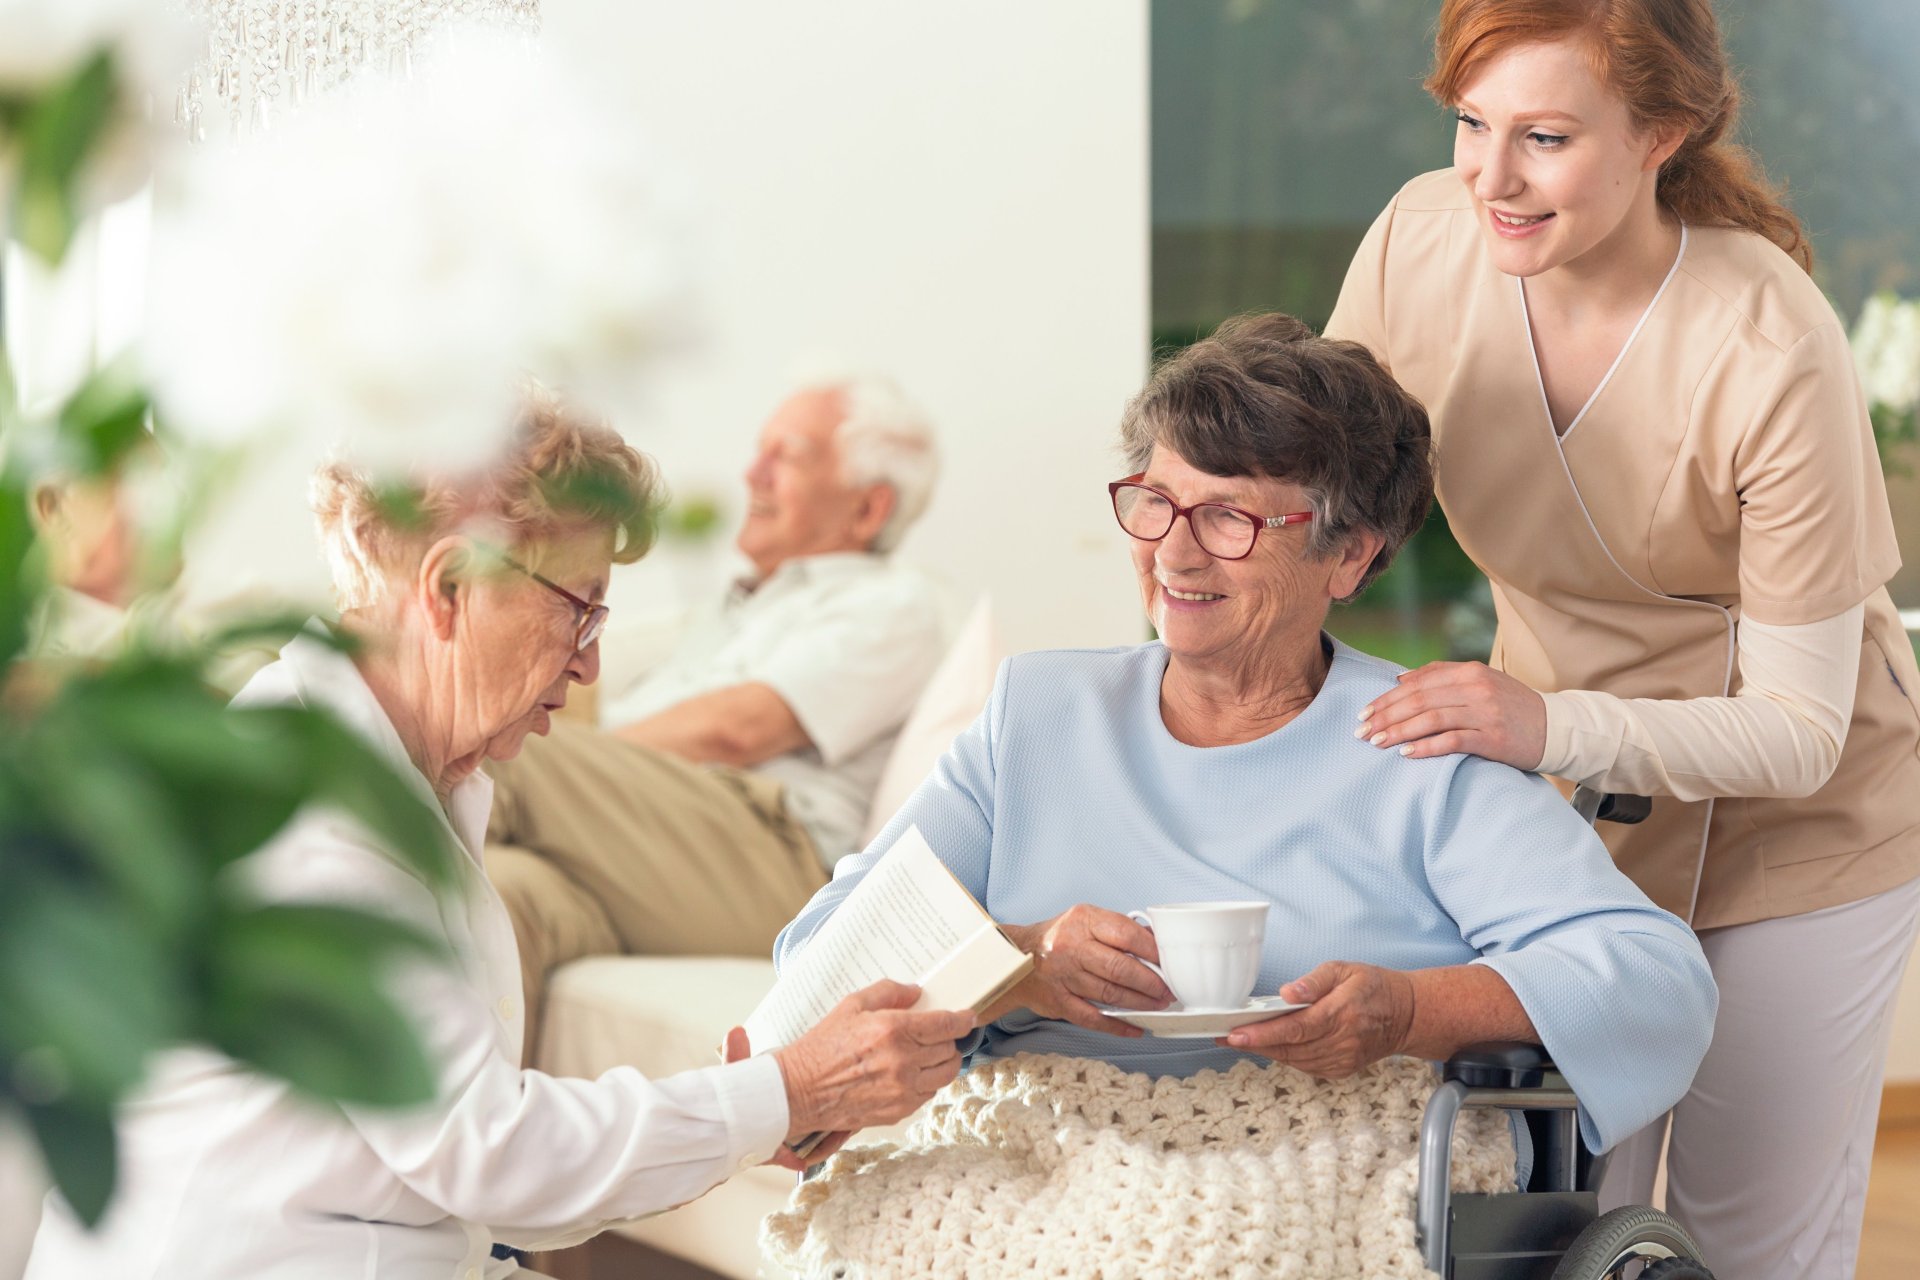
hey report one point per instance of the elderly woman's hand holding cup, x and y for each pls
(1085, 956)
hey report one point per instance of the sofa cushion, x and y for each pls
(662, 1014)
(950, 702)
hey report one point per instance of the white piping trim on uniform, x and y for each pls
(1625, 347)
(1559, 442)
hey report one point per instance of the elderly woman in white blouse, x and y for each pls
(473, 627)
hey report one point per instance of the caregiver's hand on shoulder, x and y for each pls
(1085, 955)
(1447, 707)
(869, 1061)
(1356, 1015)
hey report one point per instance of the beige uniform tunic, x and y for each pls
(1725, 468)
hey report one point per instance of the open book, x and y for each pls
(909, 920)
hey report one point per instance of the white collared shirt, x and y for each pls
(848, 640)
(71, 625)
(228, 1176)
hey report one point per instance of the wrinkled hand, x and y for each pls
(736, 1049)
(1447, 707)
(1357, 1014)
(1086, 954)
(869, 1061)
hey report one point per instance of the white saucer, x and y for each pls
(1177, 1023)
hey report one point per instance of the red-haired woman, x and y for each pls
(1650, 436)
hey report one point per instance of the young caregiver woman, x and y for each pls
(1650, 436)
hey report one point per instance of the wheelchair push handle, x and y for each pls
(1607, 806)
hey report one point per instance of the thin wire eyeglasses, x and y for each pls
(1223, 532)
(593, 617)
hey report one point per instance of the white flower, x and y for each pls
(1886, 350)
(375, 273)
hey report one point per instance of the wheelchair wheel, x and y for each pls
(1634, 1243)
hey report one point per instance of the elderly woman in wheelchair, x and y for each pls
(1420, 903)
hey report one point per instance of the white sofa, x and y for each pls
(667, 1014)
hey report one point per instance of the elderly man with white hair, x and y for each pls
(722, 789)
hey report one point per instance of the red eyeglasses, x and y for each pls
(1223, 532)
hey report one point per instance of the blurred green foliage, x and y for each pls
(1893, 431)
(128, 792)
(56, 131)
(696, 517)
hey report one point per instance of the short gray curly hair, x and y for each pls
(560, 472)
(1265, 396)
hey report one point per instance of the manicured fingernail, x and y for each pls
(1378, 739)
(1238, 1042)
(1407, 750)
(1361, 732)
(1366, 711)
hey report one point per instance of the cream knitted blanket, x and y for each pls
(1040, 1165)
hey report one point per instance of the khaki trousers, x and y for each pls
(601, 847)
(1770, 1150)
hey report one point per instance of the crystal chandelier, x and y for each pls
(266, 56)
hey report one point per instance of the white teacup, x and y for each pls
(1209, 951)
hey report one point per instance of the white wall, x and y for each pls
(955, 195)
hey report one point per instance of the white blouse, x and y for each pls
(226, 1175)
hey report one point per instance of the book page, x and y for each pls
(902, 921)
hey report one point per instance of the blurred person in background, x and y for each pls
(98, 562)
(1652, 439)
(469, 623)
(728, 782)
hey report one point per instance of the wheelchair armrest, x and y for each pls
(1500, 1064)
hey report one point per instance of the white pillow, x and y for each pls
(950, 702)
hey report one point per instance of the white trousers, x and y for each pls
(1770, 1150)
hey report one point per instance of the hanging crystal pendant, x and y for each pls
(259, 49)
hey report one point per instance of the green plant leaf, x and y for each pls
(298, 992)
(106, 416)
(56, 135)
(126, 824)
(349, 773)
(85, 982)
(158, 711)
(17, 597)
(111, 761)
(81, 1153)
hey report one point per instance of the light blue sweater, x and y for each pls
(1069, 789)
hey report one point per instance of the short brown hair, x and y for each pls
(1263, 396)
(560, 472)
